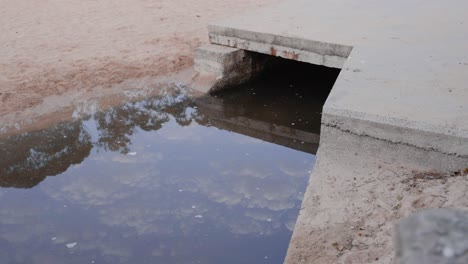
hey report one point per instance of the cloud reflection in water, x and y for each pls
(189, 190)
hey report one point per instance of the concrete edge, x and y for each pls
(319, 47)
(280, 51)
(396, 131)
(319, 53)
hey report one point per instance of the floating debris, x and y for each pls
(131, 153)
(199, 216)
(72, 245)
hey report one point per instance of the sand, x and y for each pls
(63, 49)
(360, 188)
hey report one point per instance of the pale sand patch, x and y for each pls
(49, 48)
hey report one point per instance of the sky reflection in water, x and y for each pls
(162, 180)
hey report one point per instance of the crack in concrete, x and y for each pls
(393, 142)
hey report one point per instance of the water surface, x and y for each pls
(169, 179)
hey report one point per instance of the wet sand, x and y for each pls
(64, 49)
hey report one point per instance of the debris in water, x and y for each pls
(180, 190)
(199, 216)
(269, 220)
(448, 252)
(131, 153)
(72, 245)
(193, 207)
(54, 238)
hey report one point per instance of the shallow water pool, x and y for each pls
(169, 179)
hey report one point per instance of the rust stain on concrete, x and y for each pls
(273, 51)
(291, 55)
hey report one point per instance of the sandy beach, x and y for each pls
(52, 48)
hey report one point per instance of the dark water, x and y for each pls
(169, 179)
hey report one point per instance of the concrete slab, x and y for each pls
(405, 63)
(217, 59)
(220, 67)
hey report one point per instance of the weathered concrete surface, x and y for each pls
(405, 63)
(360, 187)
(220, 67)
(438, 236)
(290, 48)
